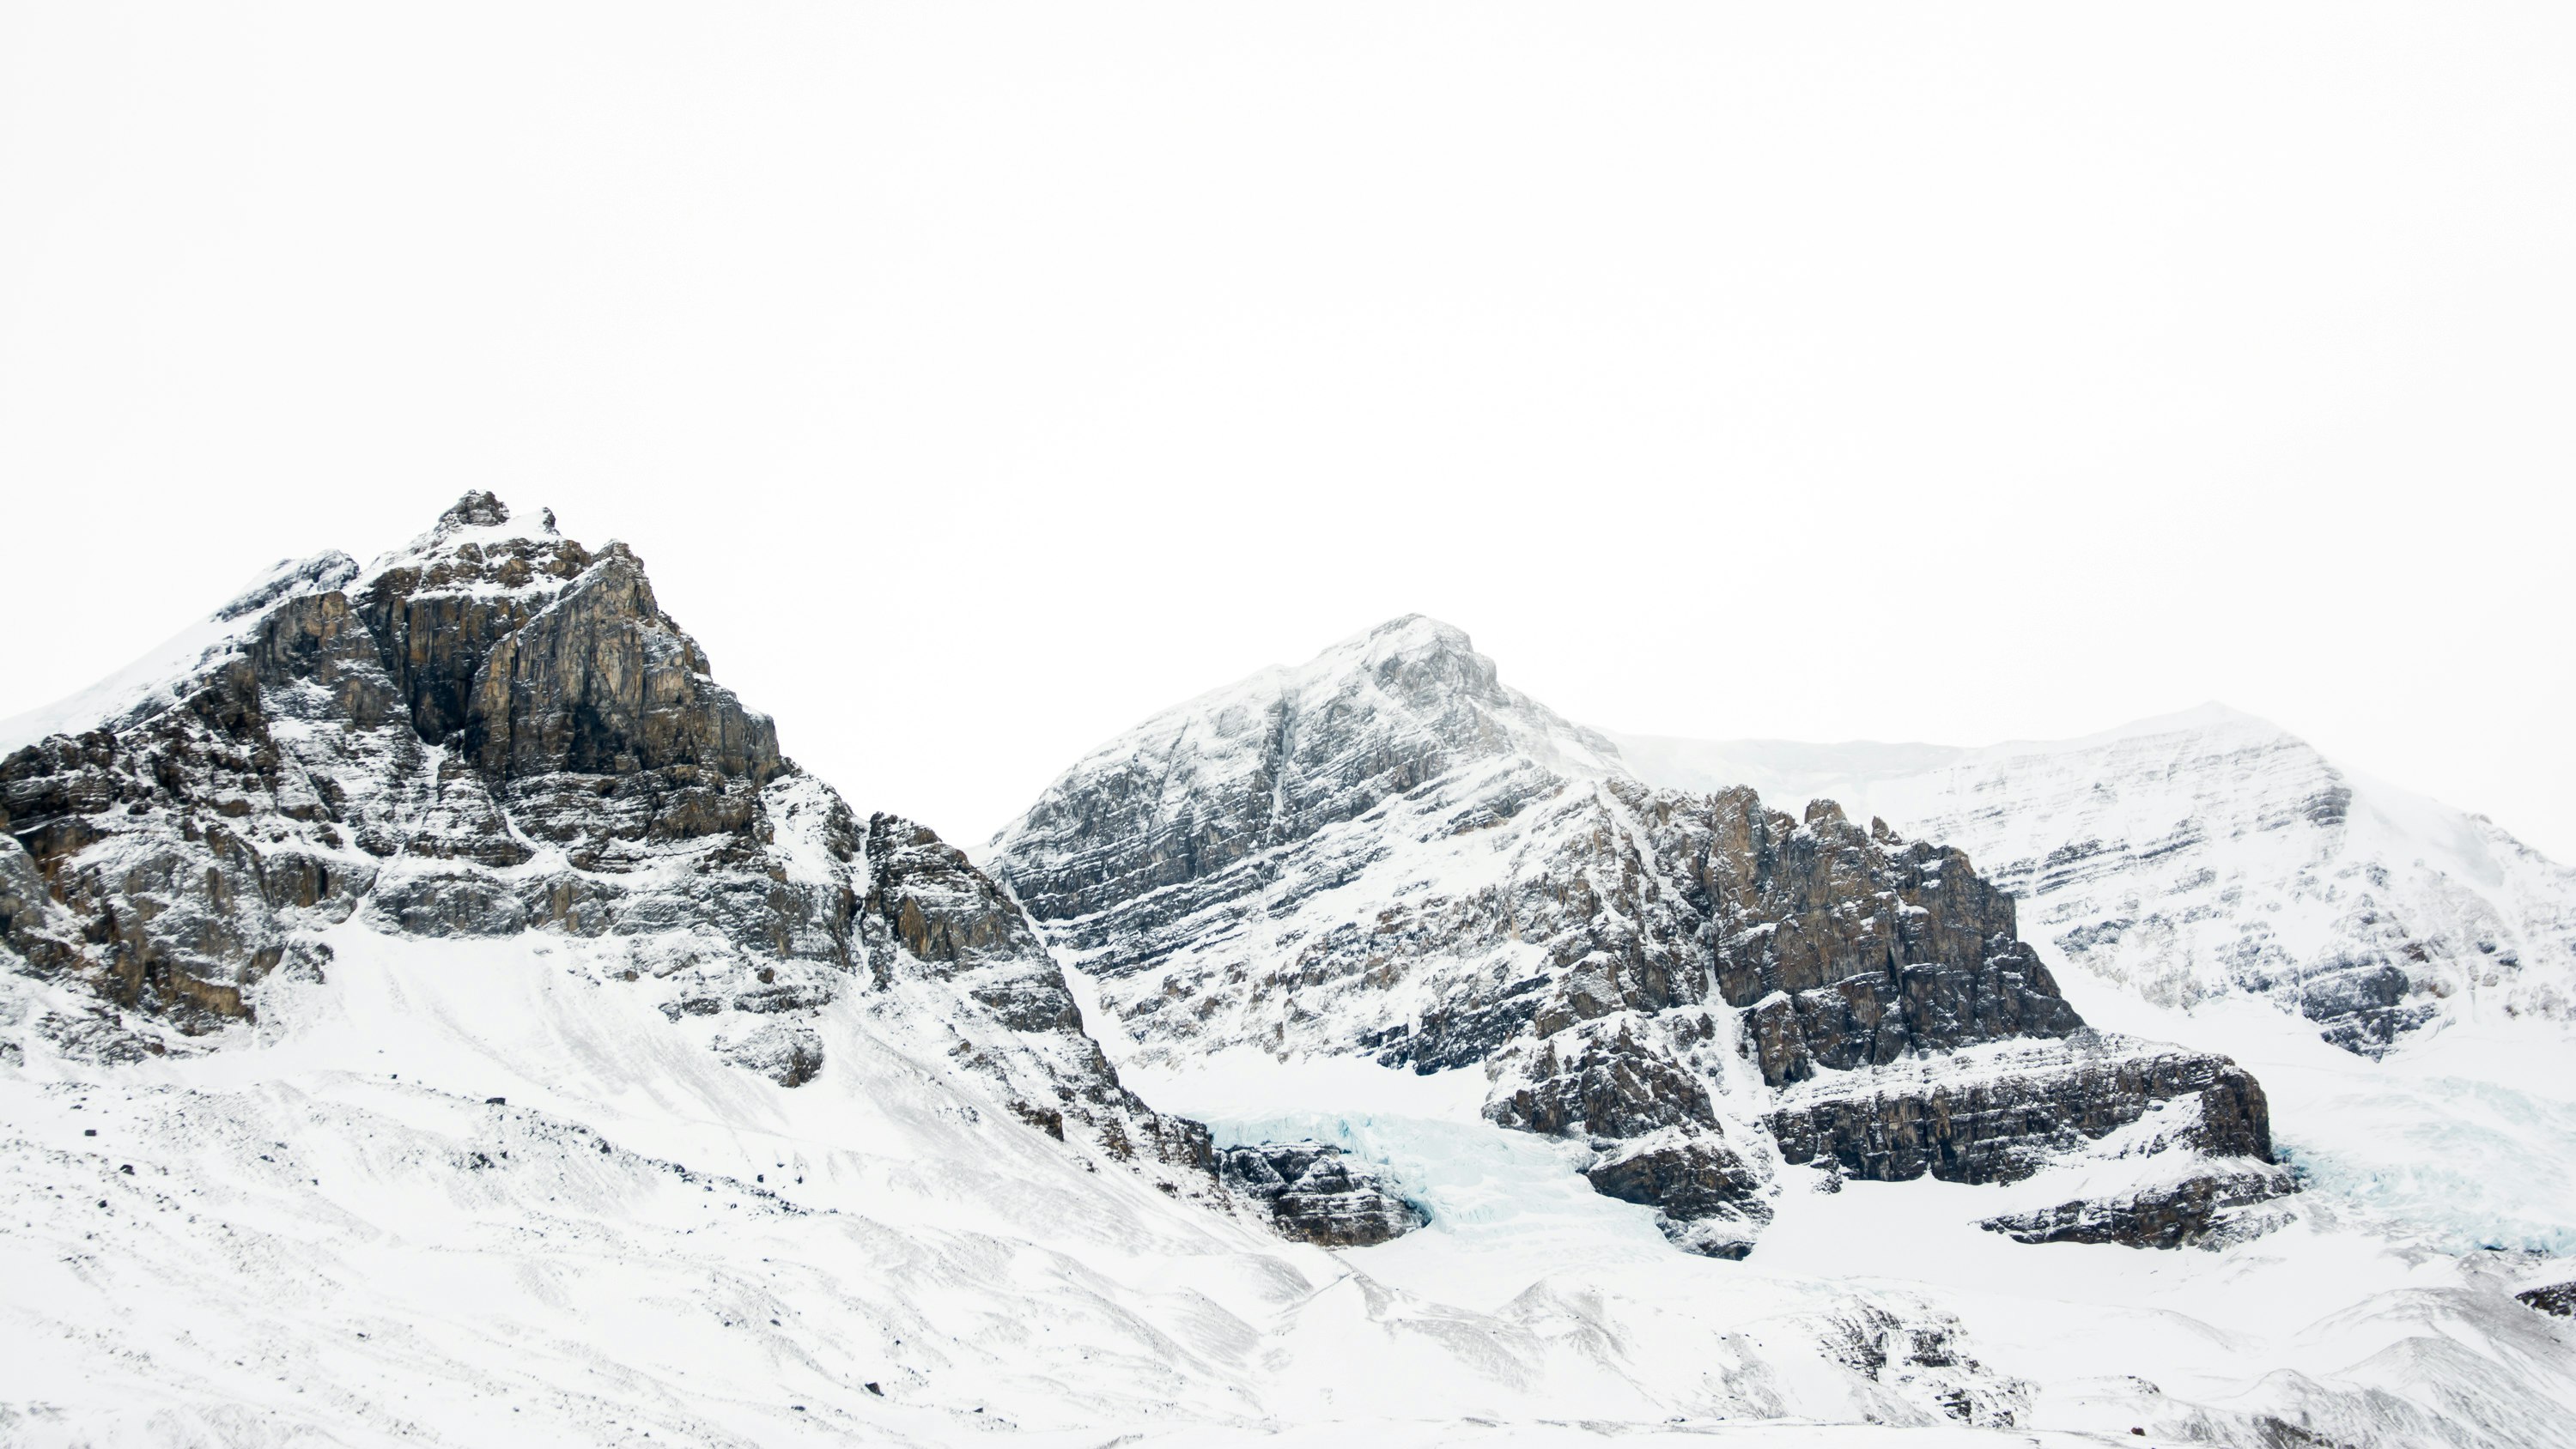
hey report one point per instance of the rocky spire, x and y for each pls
(474, 510)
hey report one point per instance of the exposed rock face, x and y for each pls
(1706, 1199)
(2207, 1211)
(482, 734)
(2558, 1298)
(932, 920)
(956, 925)
(1849, 949)
(789, 1055)
(1925, 1356)
(492, 732)
(1386, 851)
(1315, 1194)
(2211, 853)
(2000, 1116)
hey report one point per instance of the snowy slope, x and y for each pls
(1254, 961)
(2345, 1320)
(146, 684)
(2200, 854)
(647, 1095)
(331, 1236)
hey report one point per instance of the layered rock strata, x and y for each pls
(491, 732)
(1316, 1194)
(2206, 1211)
(1388, 852)
(2001, 1115)
(2212, 853)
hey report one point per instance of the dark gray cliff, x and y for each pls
(931, 917)
(2557, 1298)
(490, 732)
(2208, 1211)
(415, 741)
(1388, 852)
(1316, 1194)
(2212, 853)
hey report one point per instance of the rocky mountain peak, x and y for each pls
(412, 738)
(1211, 786)
(489, 733)
(535, 655)
(1421, 660)
(1389, 853)
(473, 546)
(474, 510)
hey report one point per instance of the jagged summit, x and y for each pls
(544, 655)
(565, 1020)
(479, 734)
(1387, 852)
(479, 522)
(474, 510)
(491, 734)
(1290, 750)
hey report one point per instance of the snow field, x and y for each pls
(2351, 1314)
(330, 1235)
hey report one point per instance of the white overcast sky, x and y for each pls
(978, 379)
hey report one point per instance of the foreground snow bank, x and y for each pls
(2370, 1314)
(331, 1234)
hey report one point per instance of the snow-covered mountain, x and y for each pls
(1387, 852)
(433, 1010)
(2208, 853)
(1386, 858)
(488, 733)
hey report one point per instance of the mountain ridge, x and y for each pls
(493, 731)
(642, 1087)
(2211, 851)
(1385, 851)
